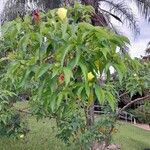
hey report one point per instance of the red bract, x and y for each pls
(61, 78)
(36, 16)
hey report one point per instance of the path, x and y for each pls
(143, 126)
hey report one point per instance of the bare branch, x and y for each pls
(123, 94)
(134, 101)
(24, 111)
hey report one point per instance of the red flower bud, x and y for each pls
(61, 78)
(36, 16)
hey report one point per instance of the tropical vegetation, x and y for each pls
(63, 63)
(104, 10)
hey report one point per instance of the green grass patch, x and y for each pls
(131, 137)
(41, 137)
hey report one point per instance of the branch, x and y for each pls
(134, 101)
(24, 111)
(123, 94)
(30, 113)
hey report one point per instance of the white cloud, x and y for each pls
(2, 2)
(138, 44)
(137, 49)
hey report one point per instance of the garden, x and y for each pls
(66, 80)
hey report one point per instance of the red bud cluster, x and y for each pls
(61, 78)
(36, 16)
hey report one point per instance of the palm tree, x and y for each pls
(148, 48)
(118, 10)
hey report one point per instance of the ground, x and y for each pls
(42, 137)
(143, 126)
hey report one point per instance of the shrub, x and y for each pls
(13, 126)
(142, 113)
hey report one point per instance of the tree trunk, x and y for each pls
(50, 4)
(89, 112)
(12, 8)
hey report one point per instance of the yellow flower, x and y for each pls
(22, 136)
(90, 76)
(62, 13)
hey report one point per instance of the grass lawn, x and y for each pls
(131, 137)
(42, 137)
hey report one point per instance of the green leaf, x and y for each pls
(120, 68)
(3, 59)
(100, 93)
(22, 45)
(66, 50)
(53, 102)
(77, 58)
(42, 70)
(40, 90)
(107, 67)
(55, 72)
(64, 29)
(84, 70)
(39, 38)
(13, 68)
(25, 77)
(86, 26)
(87, 89)
(105, 52)
(68, 74)
(59, 99)
(80, 91)
(111, 100)
(125, 39)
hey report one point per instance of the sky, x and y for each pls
(139, 43)
(1, 5)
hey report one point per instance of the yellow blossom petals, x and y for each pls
(90, 76)
(62, 13)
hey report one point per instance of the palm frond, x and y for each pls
(144, 8)
(109, 13)
(121, 10)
